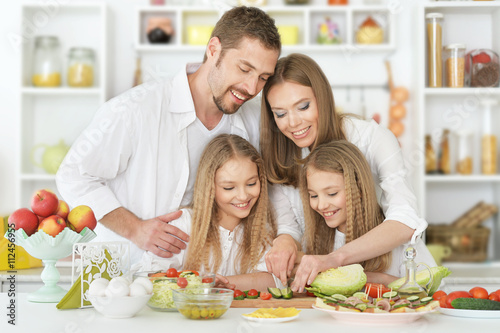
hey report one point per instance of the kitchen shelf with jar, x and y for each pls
(63, 82)
(444, 197)
(299, 26)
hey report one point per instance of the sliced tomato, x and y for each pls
(376, 290)
(158, 275)
(172, 272)
(207, 280)
(239, 295)
(265, 296)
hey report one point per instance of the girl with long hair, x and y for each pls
(229, 222)
(340, 205)
(297, 115)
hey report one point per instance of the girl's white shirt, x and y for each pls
(230, 243)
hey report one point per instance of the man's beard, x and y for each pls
(219, 103)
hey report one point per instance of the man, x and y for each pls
(137, 160)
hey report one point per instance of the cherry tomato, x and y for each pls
(252, 292)
(182, 282)
(375, 290)
(442, 301)
(207, 280)
(494, 297)
(265, 296)
(479, 292)
(438, 294)
(497, 292)
(172, 272)
(238, 294)
(456, 294)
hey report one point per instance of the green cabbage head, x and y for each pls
(345, 280)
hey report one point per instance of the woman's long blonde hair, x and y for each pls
(280, 154)
(259, 227)
(363, 210)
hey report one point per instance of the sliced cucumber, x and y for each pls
(390, 294)
(361, 306)
(275, 292)
(287, 293)
(339, 297)
(426, 299)
(360, 295)
(413, 298)
(401, 305)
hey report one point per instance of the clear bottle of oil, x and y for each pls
(410, 287)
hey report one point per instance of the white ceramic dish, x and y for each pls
(471, 313)
(270, 320)
(120, 306)
(361, 318)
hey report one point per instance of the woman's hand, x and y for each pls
(223, 282)
(281, 257)
(309, 267)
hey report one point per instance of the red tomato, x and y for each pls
(238, 293)
(456, 294)
(182, 282)
(265, 296)
(497, 292)
(172, 272)
(494, 297)
(479, 292)
(438, 294)
(375, 290)
(442, 301)
(252, 292)
(207, 280)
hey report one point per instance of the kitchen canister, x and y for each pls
(47, 62)
(434, 24)
(81, 64)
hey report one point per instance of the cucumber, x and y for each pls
(287, 293)
(475, 304)
(360, 295)
(275, 292)
(339, 297)
(401, 305)
(426, 299)
(390, 294)
(413, 298)
(361, 306)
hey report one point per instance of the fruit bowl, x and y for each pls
(162, 299)
(119, 306)
(202, 303)
(49, 249)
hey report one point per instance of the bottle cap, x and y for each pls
(434, 15)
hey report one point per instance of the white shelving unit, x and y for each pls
(306, 18)
(445, 197)
(48, 115)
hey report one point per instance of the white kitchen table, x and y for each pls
(45, 318)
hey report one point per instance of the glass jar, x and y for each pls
(464, 165)
(454, 58)
(47, 62)
(81, 64)
(482, 68)
(488, 141)
(434, 23)
(444, 166)
(430, 156)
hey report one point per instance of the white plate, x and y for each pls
(270, 320)
(471, 313)
(374, 318)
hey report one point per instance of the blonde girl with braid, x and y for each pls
(340, 205)
(229, 222)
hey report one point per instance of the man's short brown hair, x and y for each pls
(246, 22)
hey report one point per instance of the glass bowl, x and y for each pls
(202, 303)
(162, 299)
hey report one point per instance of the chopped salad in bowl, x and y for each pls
(165, 282)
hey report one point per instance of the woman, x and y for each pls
(297, 116)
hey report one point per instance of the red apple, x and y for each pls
(62, 209)
(82, 216)
(44, 203)
(25, 219)
(52, 225)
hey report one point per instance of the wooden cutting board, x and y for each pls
(299, 301)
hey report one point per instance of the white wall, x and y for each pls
(358, 69)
